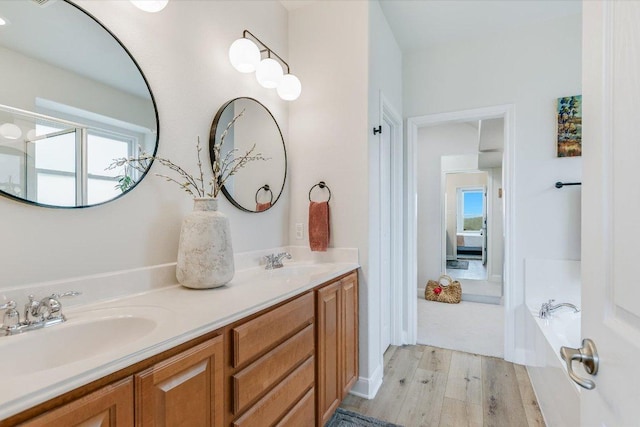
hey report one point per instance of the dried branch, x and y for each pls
(222, 169)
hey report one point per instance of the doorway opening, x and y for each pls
(484, 240)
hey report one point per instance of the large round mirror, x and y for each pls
(257, 186)
(72, 100)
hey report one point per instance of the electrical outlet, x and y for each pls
(299, 231)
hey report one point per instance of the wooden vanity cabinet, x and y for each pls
(184, 390)
(287, 366)
(109, 406)
(337, 344)
(272, 366)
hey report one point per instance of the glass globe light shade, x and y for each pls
(290, 88)
(150, 5)
(269, 73)
(244, 55)
(10, 131)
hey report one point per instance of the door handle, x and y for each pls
(588, 356)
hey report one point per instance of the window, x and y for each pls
(470, 210)
(70, 164)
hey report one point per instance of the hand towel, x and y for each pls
(262, 206)
(319, 226)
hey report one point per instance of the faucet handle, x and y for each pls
(11, 316)
(52, 305)
(9, 305)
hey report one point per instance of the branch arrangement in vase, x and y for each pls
(223, 168)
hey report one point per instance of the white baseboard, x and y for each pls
(367, 388)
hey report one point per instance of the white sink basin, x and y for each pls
(82, 336)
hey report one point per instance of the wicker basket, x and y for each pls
(450, 292)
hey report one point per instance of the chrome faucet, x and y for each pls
(275, 260)
(37, 314)
(547, 308)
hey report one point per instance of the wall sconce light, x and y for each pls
(150, 5)
(245, 56)
(10, 131)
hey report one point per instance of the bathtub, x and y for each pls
(558, 396)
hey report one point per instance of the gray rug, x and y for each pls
(457, 264)
(344, 418)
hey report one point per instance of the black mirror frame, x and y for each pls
(212, 141)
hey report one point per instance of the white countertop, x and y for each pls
(171, 315)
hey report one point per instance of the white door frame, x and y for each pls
(511, 293)
(389, 114)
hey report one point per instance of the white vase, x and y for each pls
(205, 253)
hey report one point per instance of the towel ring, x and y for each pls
(321, 184)
(265, 188)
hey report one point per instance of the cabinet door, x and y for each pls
(110, 406)
(349, 331)
(185, 390)
(329, 322)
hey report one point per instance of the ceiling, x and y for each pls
(418, 24)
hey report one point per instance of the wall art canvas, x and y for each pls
(570, 126)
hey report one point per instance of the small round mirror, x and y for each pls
(72, 100)
(257, 186)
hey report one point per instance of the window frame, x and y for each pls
(460, 208)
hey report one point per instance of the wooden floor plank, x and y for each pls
(423, 403)
(389, 354)
(428, 386)
(435, 359)
(465, 378)
(456, 413)
(531, 407)
(397, 376)
(502, 404)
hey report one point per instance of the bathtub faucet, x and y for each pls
(547, 308)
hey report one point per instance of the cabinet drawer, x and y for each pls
(303, 414)
(261, 333)
(271, 368)
(273, 406)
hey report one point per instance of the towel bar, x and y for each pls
(265, 188)
(321, 184)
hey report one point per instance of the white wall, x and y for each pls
(530, 68)
(332, 51)
(385, 86)
(183, 53)
(34, 79)
(328, 51)
(433, 143)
